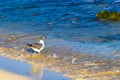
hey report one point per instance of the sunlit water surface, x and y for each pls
(65, 23)
(71, 24)
(22, 68)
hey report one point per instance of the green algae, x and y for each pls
(91, 68)
(109, 15)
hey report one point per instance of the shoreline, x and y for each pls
(91, 68)
(6, 75)
(27, 70)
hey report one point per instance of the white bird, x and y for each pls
(37, 47)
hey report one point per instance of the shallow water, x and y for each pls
(71, 25)
(66, 23)
(25, 69)
(75, 66)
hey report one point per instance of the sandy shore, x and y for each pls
(92, 68)
(5, 75)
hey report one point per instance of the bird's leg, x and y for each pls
(39, 52)
(35, 53)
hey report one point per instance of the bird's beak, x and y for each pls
(45, 37)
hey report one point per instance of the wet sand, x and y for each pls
(84, 66)
(5, 75)
(23, 68)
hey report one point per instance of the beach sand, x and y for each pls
(92, 68)
(5, 75)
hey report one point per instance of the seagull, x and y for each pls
(37, 47)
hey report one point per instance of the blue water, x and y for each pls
(25, 69)
(69, 23)
(14, 66)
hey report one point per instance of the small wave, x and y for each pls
(90, 66)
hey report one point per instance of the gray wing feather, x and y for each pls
(36, 45)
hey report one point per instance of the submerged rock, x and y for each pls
(109, 15)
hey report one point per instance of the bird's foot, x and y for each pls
(35, 53)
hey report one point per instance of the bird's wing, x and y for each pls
(36, 45)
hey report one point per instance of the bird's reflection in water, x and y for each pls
(37, 72)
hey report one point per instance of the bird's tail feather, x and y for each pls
(28, 44)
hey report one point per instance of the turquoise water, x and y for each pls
(70, 23)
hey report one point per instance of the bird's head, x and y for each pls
(42, 37)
